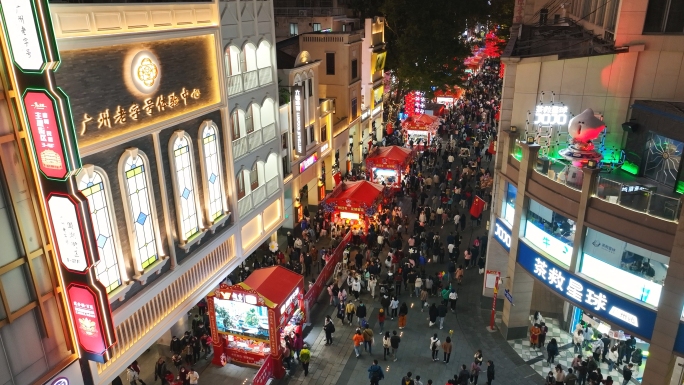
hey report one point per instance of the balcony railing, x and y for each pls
(272, 186)
(240, 147)
(251, 80)
(265, 76)
(568, 175)
(234, 84)
(638, 198)
(269, 132)
(254, 140)
(245, 205)
(259, 195)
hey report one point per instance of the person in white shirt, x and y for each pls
(193, 376)
(418, 286)
(457, 218)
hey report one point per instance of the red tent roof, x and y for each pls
(355, 194)
(393, 154)
(273, 283)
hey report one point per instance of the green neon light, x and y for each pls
(679, 187)
(630, 168)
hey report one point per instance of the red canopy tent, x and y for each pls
(386, 164)
(420, 127)
(249, 320)
(353, 202)
(448, 97)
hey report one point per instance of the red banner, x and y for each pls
(40, 111)
(86, 313)
(327, 272)
(265, 372)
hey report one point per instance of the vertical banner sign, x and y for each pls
(23, 35)
(33, 47)
(297, 124)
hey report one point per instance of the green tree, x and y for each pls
(251, 318)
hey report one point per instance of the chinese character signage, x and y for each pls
(622, 313)
(548, 243)
(550, 115)
(24, 37)
(502, 234)
(297, 121)
(45, 134)
(67, 230)
(119, 89)
(86, 317)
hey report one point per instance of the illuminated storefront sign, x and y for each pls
(45, 134)
(325, 147)
(24, 38)
(308, 162)
(67, 228)
(378, 59)
(365, 114)
(299, 140)
(550, 115)
(502, 234)
(620, 312)
(288, 303)
(376, 110)
(86, 314)
(60, 381)
(548, 243)
(145, 85)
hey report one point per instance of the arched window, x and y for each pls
(91, 182)
(271, 167)
(138, 195)
(211, 167)
(240, 183)
(254, 177)
(249, 122)
(263, 54)
(232, 56)
(248, 58)
(184, 186)
(267, 112)
(237, 120)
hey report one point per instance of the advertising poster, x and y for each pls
(241, 318)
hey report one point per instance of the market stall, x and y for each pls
(250, 320)
(388, 164)
(353, 204)
(420, 129)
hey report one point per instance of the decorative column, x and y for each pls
(516, 280)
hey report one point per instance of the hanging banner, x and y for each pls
(20, 26)
(45, 134)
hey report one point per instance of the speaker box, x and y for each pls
(629, 126)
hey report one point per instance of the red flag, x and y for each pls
(477, 207)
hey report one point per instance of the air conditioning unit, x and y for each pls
(302, 12)
(609, 36)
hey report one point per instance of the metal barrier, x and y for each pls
(638, 198)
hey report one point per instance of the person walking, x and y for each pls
(132, 376)
(372, 282)
(612, 357)
(361, 313)
(550, 379)
(423, 298)
(433, 312)
(490, 372)
(367, 334)
(627, 374)
(341, 312)
(375, 373)
(578, 340)
(434, 347)
(305, 358)
(403, 311)
(407, 379)
(350, 310)
(386, 345)
(394, 306)
(446, 348)
(453, 297)
(463, 375)
(358, 340)
(552, 351)
(381, 319)
(193, 377)
(160, 369)
(394, 342)
(441, 313)
(570, 378)
(474, 372)
(329, 329)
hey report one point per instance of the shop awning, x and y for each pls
(390, 157)
(273, 283)
(420, 122)
(354, 196)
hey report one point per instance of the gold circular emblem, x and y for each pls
(147, 72)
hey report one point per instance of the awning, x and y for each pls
(273, 283)
(388, 157)
(354, 196)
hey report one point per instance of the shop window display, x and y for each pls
(629, 269)
(508, 204)
(245, 325)
(551, 232)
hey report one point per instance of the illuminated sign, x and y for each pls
(622, 313)
(376, 110)
(548, 243)
(240, 297)
(325, 147)
(86, 315)
(502, 234)
(550, 115)
(286, 305)
(308, 162)
(45, 134)
(379, 61)
(67, 229)
(365, 114)
(145, 85)
(60, 381)
(299, 140)
(23, 35)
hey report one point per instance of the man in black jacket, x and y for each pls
(176, 345)
(463, 376)
(361, 313)
(442, 311)
(407, 380)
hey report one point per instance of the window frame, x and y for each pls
(310, 86)
(254, 177)
(294, 27)
(206, 125)
(354, 67)
(235, 124)
(185, 239)
(663, 19)
(240, 187)
(330, 63)
(88, 171)
(314, 27)
(354, 106)
(135, 252)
